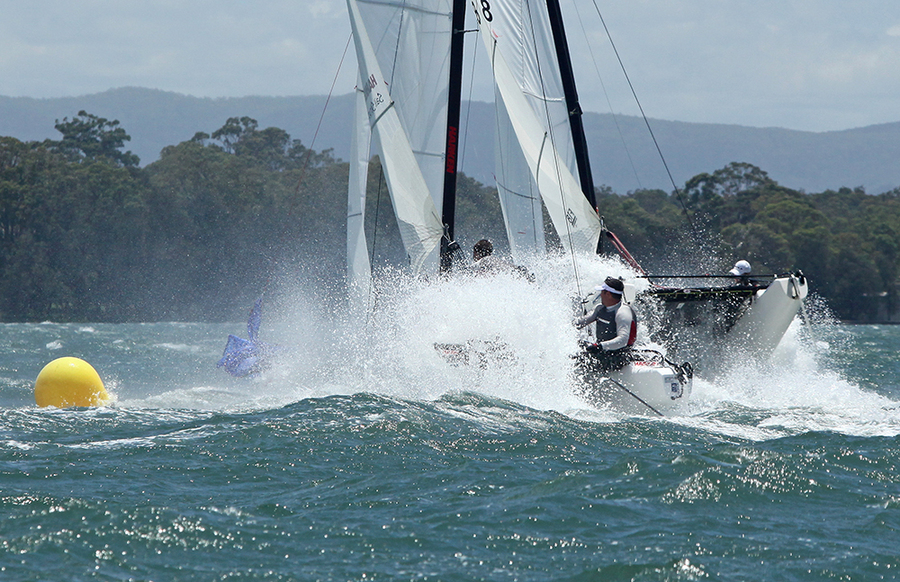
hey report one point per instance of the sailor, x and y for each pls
(741, 272)
(482, 250)
(616, 327)
(484, 261)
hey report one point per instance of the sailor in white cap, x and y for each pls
(741, 270)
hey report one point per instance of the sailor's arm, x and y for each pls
(589, 318)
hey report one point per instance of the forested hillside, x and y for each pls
(87, 234)
(623, 155)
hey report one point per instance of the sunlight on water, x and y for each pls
(361, 440)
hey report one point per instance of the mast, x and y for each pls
(448, 209)
(572, 105)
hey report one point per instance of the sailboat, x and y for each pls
(409, 54)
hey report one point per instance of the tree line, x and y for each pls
(86, 234)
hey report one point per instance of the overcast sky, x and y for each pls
(813, 65)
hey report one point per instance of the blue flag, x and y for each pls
(248, 357)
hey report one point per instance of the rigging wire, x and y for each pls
(322, 116)
(465, 136)
(375, 218)
(501, 174)
(606, 95)
(380, 162)
(372, 296)
(397, 44)
(309, 151)
(646, 121)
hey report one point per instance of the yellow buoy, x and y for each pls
(68, 382)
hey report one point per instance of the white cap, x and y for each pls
(606, 287)
(740, 269)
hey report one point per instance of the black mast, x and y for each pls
(448, 209)
(572, 105)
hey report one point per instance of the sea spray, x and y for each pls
(799, 389)
(391, 352)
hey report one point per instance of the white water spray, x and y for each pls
(394, 355)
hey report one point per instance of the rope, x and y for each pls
(321, 117)
(620, 247)
(636, 397)
(615, 117)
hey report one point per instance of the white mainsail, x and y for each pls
(517, 36)
(403, 52)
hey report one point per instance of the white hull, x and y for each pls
(763, 325)
(645, 387)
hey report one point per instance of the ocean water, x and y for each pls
(355, 459)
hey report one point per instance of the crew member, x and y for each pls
(485, 261)
(616, 326)
(482, 249)
(741, 273)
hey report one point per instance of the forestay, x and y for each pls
(520, 200)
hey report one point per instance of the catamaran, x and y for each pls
(409, 54)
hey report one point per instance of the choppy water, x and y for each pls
(360, 464)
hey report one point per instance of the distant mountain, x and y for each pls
(622, 153)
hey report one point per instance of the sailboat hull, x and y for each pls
(768, 318)
(647, 386)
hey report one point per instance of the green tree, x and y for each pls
(92, 138)
(86, 234)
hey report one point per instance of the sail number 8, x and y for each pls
(485, 10)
